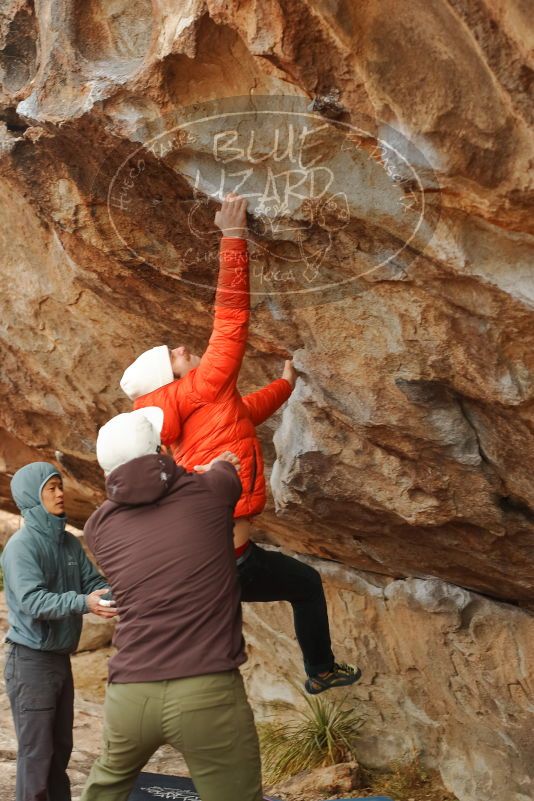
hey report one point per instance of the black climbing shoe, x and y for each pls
(341, 675)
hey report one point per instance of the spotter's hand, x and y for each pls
(227, 456)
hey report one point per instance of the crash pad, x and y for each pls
(150, 786)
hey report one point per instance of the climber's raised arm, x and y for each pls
(219, 367)
(265, 402)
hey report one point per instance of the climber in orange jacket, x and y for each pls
(204, 414)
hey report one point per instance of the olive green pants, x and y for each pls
(207, 718)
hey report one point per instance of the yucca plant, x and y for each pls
(325, 734)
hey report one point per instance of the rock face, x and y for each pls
(386, 150)
(446, 674)
(408, 446)
(316, 784)
(96, 633)
(8, 525)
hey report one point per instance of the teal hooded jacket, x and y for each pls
(47, 575)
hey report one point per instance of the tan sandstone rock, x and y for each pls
(407, 447)
(447, 673)
(404, 290)
(8, 525)
(97, 632)
(416, 392)
(319, 783)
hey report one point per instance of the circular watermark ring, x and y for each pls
(304, 193)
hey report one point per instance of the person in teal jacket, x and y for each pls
(49, 584)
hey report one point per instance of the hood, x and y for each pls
(128, 436)
(143, 480)
(151, 370)
(26, 487)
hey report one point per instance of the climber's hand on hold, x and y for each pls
(290, 374)
(232, 217)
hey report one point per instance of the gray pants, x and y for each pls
(40, 690)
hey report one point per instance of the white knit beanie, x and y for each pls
(151, 370)
(128, 436)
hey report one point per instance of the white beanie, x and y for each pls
(128, 436)
(151, 370)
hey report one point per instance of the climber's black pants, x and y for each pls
(272, 576)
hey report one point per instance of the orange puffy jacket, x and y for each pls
(204, 414)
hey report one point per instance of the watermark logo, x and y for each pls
(331, 204)
(162, 792)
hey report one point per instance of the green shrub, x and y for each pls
(325, 734)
